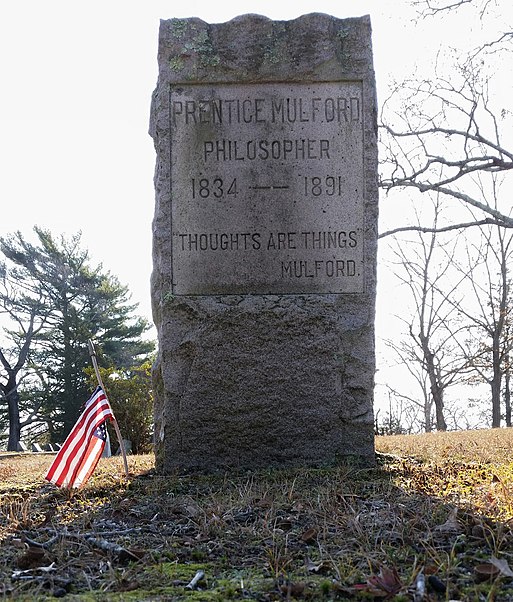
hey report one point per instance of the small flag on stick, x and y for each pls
(92, 353)
(83, 447)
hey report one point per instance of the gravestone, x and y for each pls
(264, 242)
(107, 450)
(127, 445)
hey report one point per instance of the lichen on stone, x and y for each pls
(176, 63)
(179, 27)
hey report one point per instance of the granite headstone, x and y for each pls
(264, 242)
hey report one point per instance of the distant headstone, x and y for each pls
(127, 445)
(107, 452)
(22, 447)
(36, 447)
(265, 239)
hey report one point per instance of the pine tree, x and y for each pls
(82, 302)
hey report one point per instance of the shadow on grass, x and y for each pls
(309, 534)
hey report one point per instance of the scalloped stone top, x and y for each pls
(253, 47)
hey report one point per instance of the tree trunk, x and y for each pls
(438, 398)
(496, 383)
(428, 405)
(436, 390)
(13, 404)
(507, 393)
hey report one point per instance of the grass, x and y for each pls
(485, 446)
(434, 510)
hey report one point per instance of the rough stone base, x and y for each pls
(265, 381)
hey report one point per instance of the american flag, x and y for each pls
(83, 447)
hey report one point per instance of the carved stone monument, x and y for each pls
(265, 237)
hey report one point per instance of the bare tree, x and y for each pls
(434, 8)
(449, 134)
(430, 352)
(438, 132)
(463, 161)
(399, 419)
(420, 409)
(443, 132)
(506, 354)
(488, 307)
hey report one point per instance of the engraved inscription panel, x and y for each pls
(267, 188)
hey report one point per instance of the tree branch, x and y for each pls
(425, 230)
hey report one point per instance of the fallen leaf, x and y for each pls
(292, 589)
(478, 531)
(33, 557)
(486, 572)
(264, 502)
(451, 525)
(386, 582)
(431, 569)
(139, 553)
(310, 535)
(317, 567)
(191, 511)
(502, 565)
(370, 589)
(129, 585)
(383, 585)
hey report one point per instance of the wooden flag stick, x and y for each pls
(92, 353)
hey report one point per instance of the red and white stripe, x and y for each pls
(91, 456)
(78, 456)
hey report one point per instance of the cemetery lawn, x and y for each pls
(432, 521)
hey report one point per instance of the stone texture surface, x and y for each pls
(251, 380)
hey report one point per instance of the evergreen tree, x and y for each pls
(131, 397)
(83, 302)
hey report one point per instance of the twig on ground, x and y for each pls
(193, 584)
(35, 544)
(420, 588)
(122, 553)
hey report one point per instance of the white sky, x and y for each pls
(77, 78)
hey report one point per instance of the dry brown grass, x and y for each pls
(487, 446)
(437, 506)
